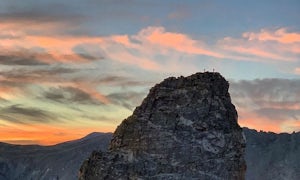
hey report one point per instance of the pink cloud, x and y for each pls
(126, 57)
(158, 36)
(8, 92)
(122, 39)
(280, 35)
(53, 48)
(16, 37)
(91, 90)
(254, 51)
(263, 46)
(143, 48)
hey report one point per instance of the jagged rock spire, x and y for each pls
(186, 128)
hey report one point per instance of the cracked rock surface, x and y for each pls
(186, 128)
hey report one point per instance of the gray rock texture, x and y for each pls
(186, 128)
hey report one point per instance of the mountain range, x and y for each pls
(268, 156)
(272, 156)
(61, 161)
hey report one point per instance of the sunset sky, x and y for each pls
(71, 67)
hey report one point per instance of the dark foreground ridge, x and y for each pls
(186, 128)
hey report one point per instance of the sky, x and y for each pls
(71, 67)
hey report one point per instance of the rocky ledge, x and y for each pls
(186, 128)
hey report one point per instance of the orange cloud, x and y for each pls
(9, 92)
(46, 134)
(297, 70)
(260, 124)
(5, 90)
(291, 126)
(253, 121)
(61, 43)
(122, 39)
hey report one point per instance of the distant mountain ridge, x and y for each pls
(61, 161)
(268, 156)
(272, 156)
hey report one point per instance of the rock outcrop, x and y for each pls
(186, 128)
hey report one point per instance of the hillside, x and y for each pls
(271, 156)
(61, 161)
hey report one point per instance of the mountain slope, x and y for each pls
(271, 156)
(61, 161)
(268, 156)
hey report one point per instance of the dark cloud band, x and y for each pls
(276, 99)
(21, 114)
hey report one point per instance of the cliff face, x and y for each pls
(186, 128)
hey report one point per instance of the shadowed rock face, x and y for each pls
(186, 128)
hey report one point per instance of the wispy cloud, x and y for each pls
(297, 70)
(85, 63)
(280, 35)
(34, 18)
(275, 101)
(41, 75)
(2, 99)
(21, 114)
(264, 46)
(19, 42)
(64, 69)
(129, 100)
(160, 38)
(67, 95)
(20, 59)
(153, 48)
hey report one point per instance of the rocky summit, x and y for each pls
(186, 128)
